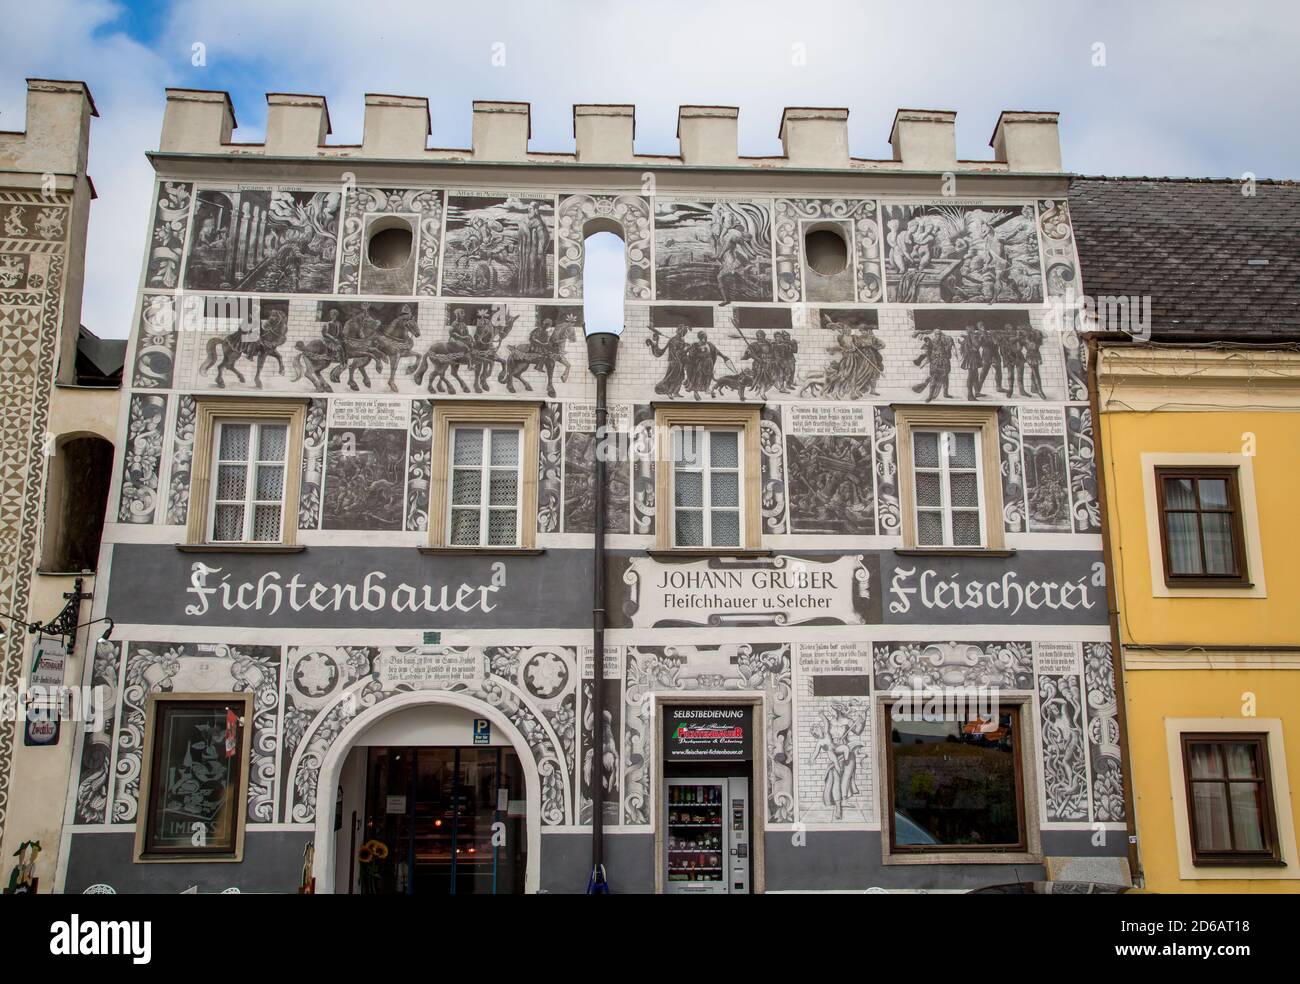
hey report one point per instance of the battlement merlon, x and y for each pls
(57, 130)
(398, 128)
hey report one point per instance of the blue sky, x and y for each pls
(1189, 88)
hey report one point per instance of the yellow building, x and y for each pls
(1200, 448)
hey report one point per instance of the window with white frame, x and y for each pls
(249, 480)
(484, 504)
(707, 478)
(948, 487)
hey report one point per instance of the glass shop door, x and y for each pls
(444, 821)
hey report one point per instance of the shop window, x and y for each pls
(955, 784)
(950, 478)
(484, 487)
(195, 785)
(76, 492)
(708, 473)
(247, 456)
(1201, 536)
(1229, 799)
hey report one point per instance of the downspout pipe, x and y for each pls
(1094, 342)
(602, 352)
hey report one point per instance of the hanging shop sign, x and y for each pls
(703, 733)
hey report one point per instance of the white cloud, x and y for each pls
(1188, 88)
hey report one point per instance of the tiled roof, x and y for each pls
(1214, 261)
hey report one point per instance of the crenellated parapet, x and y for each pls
(57, 131)
(400, 128)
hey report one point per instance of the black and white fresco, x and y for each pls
(160, 667)
(145, 426)
(94, 779)
(679, 340)
(768, 361)
(499, 246)
(1083, 470)
(167, 240)
(1013, 470)
(998, 355)
(631, 214)
(251, 333)
(550, 468)
(1065, 769)
(370, 210)
(1103, 733)
(653, 670)
(973, 665)
(888, 516)
(855, 354)
(713, 251)
(580, 471)
(268, 241)
(155, 350)
(961, 253)
(182, 463)
(855, 220)
(1047, 482)
(365, 473)
(357, 338)
(327, 687)
(771, 447)
(313, 464)
(830, 469)
(419, 465)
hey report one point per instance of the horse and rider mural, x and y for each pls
(474, 338)
(257, 339)
(353, 336)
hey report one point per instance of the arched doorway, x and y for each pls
(434, 712)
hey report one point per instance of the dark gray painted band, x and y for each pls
(388, 587)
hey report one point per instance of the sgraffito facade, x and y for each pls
(817, 585)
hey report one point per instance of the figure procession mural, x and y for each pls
(817, 702)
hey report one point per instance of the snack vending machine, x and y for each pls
(706, 842)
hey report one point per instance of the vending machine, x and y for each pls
(706, 836)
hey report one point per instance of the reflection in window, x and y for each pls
(1229, 799)
(955, 784)
(194, 785)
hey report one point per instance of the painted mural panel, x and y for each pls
(371, 210)
(328, 687)
(199, 668)
(499, 246)
(1103, 733)
(772, 468)
(550, 468)
(855, 221)
(1060, 710)
(580, 471)
(146, 424)
(1083, 471)
(834, 771)
(1047, 486)
(830, 469)
(713, 250)
(248, 329)
(655, 670)
(178, 483)
(93, 783)
(313, 464)
(1013, 470)
(419, 465)
(155, 349)
(365, 465)
(357, 336)
(167, 239)
(277, 241)
(1003, 343)
(856, 358)
(631, 213)
(888, 515)
(961, 252)
(907, 666)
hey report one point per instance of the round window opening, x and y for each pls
(389, 248)
(826, 251)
